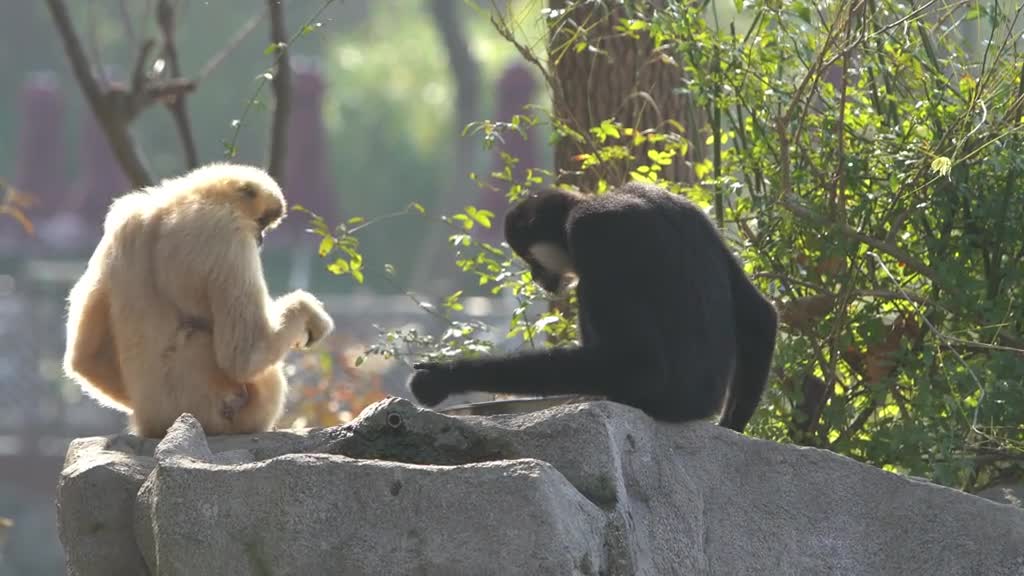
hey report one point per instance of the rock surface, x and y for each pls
(592, 488)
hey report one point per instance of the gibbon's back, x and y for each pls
(135, 299)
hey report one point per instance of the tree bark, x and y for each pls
(623, 79)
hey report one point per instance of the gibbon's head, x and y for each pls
(250, 192)
(535, 228)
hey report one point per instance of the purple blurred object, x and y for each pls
(40, 169)
(100, 178)
(307, 178)
(516, 88)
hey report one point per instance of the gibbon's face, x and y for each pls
(264, 207)
(251, 192)
(535, 230)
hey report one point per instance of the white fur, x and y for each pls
(552, 257)
(186, 248)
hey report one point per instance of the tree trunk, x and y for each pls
(623, 79)
(435, 269)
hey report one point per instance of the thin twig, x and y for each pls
(232, 44)
(281, 85)
(138, 78)
(231, 147)
(915, 264)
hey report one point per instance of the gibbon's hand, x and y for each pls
(428, 384)
(318, 325)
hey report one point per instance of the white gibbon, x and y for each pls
(173, 315)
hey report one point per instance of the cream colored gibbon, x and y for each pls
(173, 315)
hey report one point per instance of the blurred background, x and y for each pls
(870, 186)
(380, 92)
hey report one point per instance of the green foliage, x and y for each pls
(867, 170)
(871, 174)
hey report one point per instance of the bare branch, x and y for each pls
(120, 139)
(126, 20)
(231, 147)
(170, 88)
(281, 85)
(176, 104)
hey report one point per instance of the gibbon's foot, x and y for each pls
(428, 384)
(235, 403)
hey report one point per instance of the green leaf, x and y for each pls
(452, 302)
(274, 47)
(483, 217)
(338, 267)
(610, 129)
(326, 245)
(703, 168)
(460, 239)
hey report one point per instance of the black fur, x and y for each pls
(669, 322)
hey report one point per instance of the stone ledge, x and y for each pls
(591, 488)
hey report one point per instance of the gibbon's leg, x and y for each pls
(657, 295)
(91, 356)
(264, 405)
(194, 383)
(756, 329)
(196, 339)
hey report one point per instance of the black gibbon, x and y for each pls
(669, 322)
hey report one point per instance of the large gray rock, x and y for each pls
(592, 488)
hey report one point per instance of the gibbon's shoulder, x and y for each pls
(656, 198)
(216, 184)
(133, 204)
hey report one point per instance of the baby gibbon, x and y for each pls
(173, 315)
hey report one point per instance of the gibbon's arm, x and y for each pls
(250, 331)
(610, 321)
(541, 372)
(90, 356)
